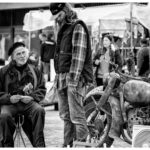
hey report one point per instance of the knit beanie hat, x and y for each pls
(14, 46)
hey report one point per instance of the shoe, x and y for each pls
(64, 145)
(109, 141)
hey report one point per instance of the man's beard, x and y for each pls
(61, 22)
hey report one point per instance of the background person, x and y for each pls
(143, 59)
(20, 93)
(47, 53)
(102, 58)
(34, 58)
(73, 66)
(42, 37)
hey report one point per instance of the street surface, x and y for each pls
(53, 129)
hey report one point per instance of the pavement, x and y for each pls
(53, 130)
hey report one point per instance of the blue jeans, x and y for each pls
(72, 112)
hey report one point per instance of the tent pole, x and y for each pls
(131, 22)
(29, 46)
(99, 33)
(131, 11)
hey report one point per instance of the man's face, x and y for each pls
(60, 17)
(20, 55)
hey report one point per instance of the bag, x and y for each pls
(51, 97)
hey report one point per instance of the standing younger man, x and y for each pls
(73, 66)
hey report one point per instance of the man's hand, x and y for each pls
(26, 99)
(73, 89)
(15, 98)
(97, 62)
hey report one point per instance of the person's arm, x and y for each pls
(140, 60)
(39, 93)
(118, 59)
(79, 50)
(4, 96)
(42, 51)
(96, 60)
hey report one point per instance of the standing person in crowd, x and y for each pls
(22, 87)
(34, 58)
(143, 59)
(102, 58)
(129, 61)
(42, 37)
(47, 53)
(73, 66)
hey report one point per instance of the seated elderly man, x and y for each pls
(21, 89)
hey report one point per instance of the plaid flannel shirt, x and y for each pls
(79, 47)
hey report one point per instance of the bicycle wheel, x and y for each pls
(98, 120)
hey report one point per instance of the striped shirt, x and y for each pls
(79, 47)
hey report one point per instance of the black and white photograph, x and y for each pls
(74, 74)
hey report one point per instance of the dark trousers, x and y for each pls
(99, 81)
(33, 124)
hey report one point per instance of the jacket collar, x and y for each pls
(12, 71)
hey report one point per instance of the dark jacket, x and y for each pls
(63, 53)
(143, 61)
(47, 51)
(12, 82)
(115, 57)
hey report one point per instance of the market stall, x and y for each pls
(119, 19)
(36, 20)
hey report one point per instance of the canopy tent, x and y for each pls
(116, 21)
(110, 18)
(92, 15)
(143, 15)
(115, 26)
(35, 20)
